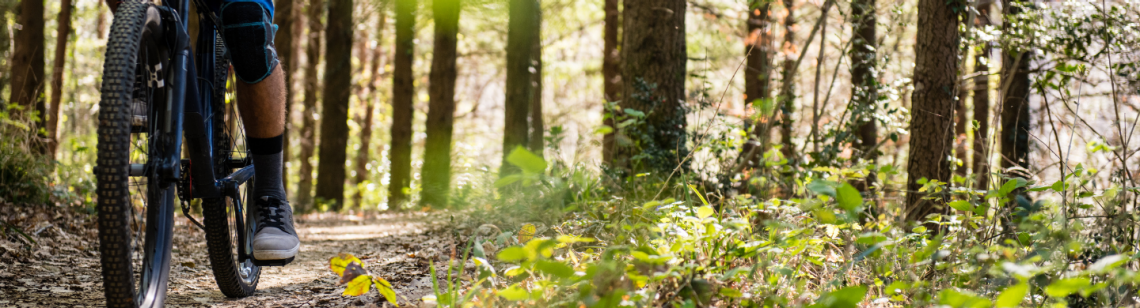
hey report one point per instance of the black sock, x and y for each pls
(267, 160)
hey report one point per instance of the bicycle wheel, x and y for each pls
(229, 231)
(136, 205)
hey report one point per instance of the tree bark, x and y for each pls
(403, 92)
(788, 85)
(537, 126)
(5, 46)
(334, 103)
(932, 110)
(284, 11)
(27, 67)
(441, 106)
(864, 85)
(611, 72)
(757, 82)
(308, 119)
(363, 156)
(519, 89)
(654, 59)
(981, 163)
(63, 30)
(1015, 100)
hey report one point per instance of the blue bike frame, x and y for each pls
(196, 120)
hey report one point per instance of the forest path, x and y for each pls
(394, 246)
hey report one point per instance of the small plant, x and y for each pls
(351, 271)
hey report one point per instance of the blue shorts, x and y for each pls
(216, 5)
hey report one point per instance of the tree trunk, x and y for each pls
(285, 44)
(611, 72)
(63, 30)
(100, 21)
(441, 111)
(363, 156)
(932, 107)
(757, 83)
(960, 121)
(27, 67)
(403, 92)
(981, 96)
(5, 46)
(1015, 99)
(537, 127)
(864, 85)
(519, 89)
(308, 116)
(654, 59)
(334, 103)
(788, 86)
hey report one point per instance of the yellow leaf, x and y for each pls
(339, 262)
(358, 286)
(705, 211)
(526, 233)
(385, 289)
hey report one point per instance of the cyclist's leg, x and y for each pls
(248, 31)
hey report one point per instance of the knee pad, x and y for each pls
(248, 31)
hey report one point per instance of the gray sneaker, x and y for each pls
(275, 238)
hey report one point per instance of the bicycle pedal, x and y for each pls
(281, 262)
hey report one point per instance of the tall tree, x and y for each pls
(932, 107)
(441, 106)
(611, 72)
(286, 45)
(981, 160)
(537, 126)
(28, 64)
(520, 90)
(864, 85)
(5, 46)
(403, 93)
(1015, 95)
(653, 60)
(334, 103)
(373, 98)
(63, 30)
(788, 85)
(757, 80)
(308, 115)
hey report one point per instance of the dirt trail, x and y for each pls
(66, 273)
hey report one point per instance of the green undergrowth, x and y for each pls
(563, 236)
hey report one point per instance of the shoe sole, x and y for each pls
(276, 254)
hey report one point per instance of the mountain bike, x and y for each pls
(167, 135)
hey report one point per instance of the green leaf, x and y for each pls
(824, 216)
(964, 299)
(508, 180)
(848, 197)
(962, 205)
(730, 293)
(1064, 287)
(822, 187)
(634, 113)
(512, 254)
(705, 211)
(870, 238)
(848, 297)
(526, 160)
(385, 289)
(1012, 296)
(554, 268)
(698, 193)
(604, 129)
(514, 293)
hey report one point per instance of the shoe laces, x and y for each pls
(271, 215)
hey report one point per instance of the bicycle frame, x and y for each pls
(195, 121)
